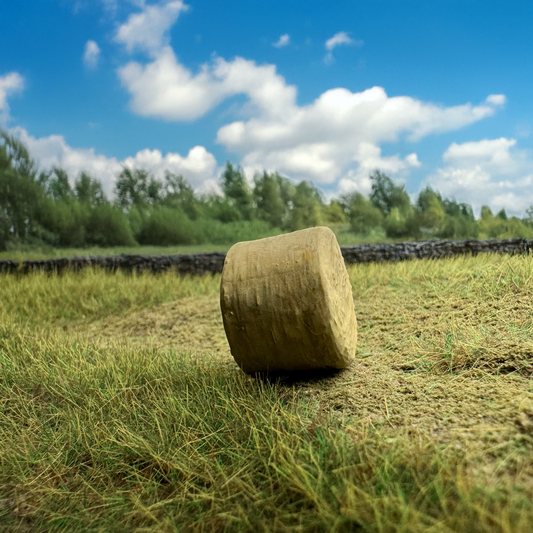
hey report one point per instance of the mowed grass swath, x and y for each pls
(121, 408)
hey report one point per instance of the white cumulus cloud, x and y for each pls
(336, 137)
(339, 39)
(166, 89)
(491, 172)
(11, 83)
(284, 40)
(91, 54)
(148, 30)
(198, 166)
(334, 140)
(496, 99)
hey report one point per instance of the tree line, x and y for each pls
(46, 207)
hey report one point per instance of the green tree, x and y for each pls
(334, 213)
(307, 207)
(67, 220)
(220, 208)
(89, 191)
(486, 213)
(165, 226)
(237, 191)
(16, 156)
(108, 225)
(394, 203)
(490, 227)
(22, 197)
(528, 219)
(386, 195)
(177, 192)
(430, 211)
(153, 192)
(501, 226)
(515, 229)
(136, 187)
(58, 185)
(502, 214)
(363, 215)
(66, 217)
(396, 225)
(272, 196)
(456, 209)
(460, 222)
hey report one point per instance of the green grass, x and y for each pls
(44, 298)
(38, 253)
(431, 429)
(28, 253)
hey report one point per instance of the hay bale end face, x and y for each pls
(287, 304)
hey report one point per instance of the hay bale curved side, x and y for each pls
(287, 304)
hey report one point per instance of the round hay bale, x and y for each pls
(287, 304)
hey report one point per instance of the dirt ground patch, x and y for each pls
(192, 325)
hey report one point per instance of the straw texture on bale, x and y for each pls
(287, 304)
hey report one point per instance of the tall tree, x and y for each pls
(460, 222)
(307, 207)
(237, 190)
(58, 185)
(269, 200)
(179, 193)
(21, 194)
(136, 187)
(89, 191)
(363, 215)
(386, 195)
(394, 203)
(431, 213)
(16, 156)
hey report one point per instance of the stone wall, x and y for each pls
(184, 264)
(213, 262)
(401, 251)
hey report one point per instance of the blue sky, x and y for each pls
(431, 92)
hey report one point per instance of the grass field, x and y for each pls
(122, 410)
(28, 253)
(39, 253)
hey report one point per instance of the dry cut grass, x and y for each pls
(121, 408)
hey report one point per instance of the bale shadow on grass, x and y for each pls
(296, 377)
